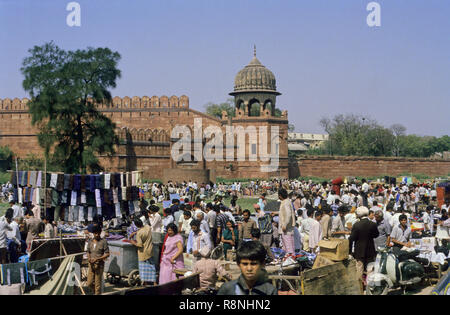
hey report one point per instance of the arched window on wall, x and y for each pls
(268, 106)
(254, 108)
(240, 104)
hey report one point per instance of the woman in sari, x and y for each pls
(172, 256)
(230, 236)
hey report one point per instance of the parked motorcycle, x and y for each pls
(393, 269)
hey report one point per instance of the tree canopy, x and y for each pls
(215, 110)
(362, 136)
(65, 88)
(6, 158)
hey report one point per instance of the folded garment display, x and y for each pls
(79, 197)
(77, 182)
(277, 252)
(66, 228)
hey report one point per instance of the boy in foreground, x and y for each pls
(253, 280)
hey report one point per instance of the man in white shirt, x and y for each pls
(316, 200)
(49, 231)
(305, 229)
(204, 225)
(201, 241)
(345, 198)
(433, 193)
(387, 215)
(365, 190)
(18, 211)
(185, 222)
(338, 224)
(315, 232)
(370, 200)
(4, 228)
(331, 197)
(422, 191)
(155, 219)
(14, 239)
(426, 219)
(396, 217)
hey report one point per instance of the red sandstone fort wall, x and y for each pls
(332, 167)
(148, 119)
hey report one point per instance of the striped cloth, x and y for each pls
(147, 271)
(288, 243)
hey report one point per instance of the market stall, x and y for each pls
(77, 198)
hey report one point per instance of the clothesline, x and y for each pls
(79, 197)
(63, 181)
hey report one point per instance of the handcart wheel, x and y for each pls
(133, 278)
(113, 279)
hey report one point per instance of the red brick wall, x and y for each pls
(146, 120)
(331, 167)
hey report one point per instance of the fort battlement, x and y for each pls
(123, 103)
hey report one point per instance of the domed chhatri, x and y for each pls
(255, 90)
(255, 77)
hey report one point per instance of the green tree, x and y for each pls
(277, 112)
(6, 158)
(255, 110)
(33, 162)
(380, 141)
(65, 88)
(215, 110)
(417, 146)
(439, 144)
(411, 145)
(291, 127)
(356, 135)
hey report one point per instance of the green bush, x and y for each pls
(4, 177)
(151, 181)
(313, 178)
(3, 208)
(232, 180)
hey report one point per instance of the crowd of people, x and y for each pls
(370, 215)
(198, 222)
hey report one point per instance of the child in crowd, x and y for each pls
(253, 280)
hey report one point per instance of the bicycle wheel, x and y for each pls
(217, 252)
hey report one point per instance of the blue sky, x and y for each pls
(325, 57)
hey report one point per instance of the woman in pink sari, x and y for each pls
(172, 256)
